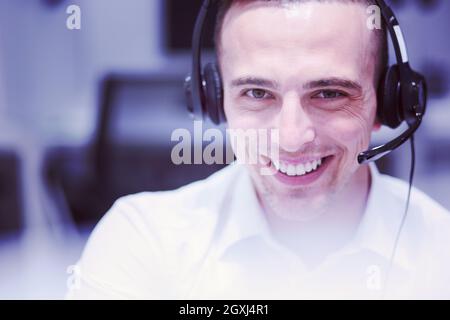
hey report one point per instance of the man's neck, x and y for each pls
(315, 239)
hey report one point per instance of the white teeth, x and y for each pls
(292, 171)
(298, 170)
(308, 167)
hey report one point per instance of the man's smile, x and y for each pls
(300, 171)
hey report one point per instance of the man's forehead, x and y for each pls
(295, 21)
(260, 33)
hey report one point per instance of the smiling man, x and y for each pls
(322, 225)
(309, 70)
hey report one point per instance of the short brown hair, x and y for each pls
(383, 57)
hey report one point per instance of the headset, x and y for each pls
(402, 92)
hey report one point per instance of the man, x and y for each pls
(321, 226)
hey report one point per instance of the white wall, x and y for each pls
(52, 73)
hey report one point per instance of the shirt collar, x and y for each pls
(376, 232)
(381, 221)
(244, 217)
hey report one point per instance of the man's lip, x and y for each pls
(308, 179)
(299, 160)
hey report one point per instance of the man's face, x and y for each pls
(306, 69)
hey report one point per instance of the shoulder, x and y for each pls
(206, 192)
(432, 213)
(424, 239)
(147, 237)
(427, 225)
(181, 206)
(158, 215)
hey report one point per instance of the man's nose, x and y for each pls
(295, 125)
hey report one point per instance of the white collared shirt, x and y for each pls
(210, 240)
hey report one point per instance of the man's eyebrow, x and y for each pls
(329, 82)
(333, 82)
(260, 82)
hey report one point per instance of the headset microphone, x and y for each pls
(377, 153)
(402, 94)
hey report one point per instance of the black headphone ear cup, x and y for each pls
(213, 91)
(389, 108)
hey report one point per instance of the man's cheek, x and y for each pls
(237, 118)
(351, 134)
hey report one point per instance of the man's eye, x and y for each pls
(258, 94)
(329, 94)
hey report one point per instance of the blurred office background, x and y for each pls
(86, 116)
